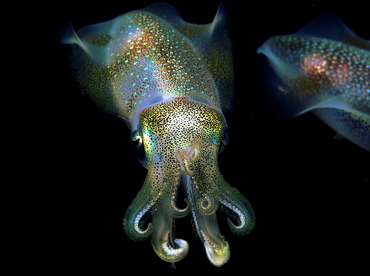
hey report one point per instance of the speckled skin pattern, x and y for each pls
(170, 81)
(328, 75)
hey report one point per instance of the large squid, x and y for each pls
(323, 68)
(170, 81)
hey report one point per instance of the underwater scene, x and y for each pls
(182, 135)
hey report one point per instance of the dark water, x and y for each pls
(73, 172)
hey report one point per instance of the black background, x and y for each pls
(73, 172)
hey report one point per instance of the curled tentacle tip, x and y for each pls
(217, 255)
(182, 244)
(243, 228)
(134, 231)
(170, 254)
(181, 212)
(147, 232)
(207, 206)
(243, 213)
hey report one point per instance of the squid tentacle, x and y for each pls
(217, 249)
(167, 249)
(139, 207)
(234, 201)
(203, 208)
(207, 205)
(180, 213)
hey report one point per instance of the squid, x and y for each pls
(323, 68)
(171, 82)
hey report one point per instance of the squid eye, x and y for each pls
(136, 139)
(224, 140)
(137, 144)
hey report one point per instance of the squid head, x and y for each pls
(181, 140)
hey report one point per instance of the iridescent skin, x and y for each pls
(170, 81)
(324, 68)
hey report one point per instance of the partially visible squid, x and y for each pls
(170, 81)
(323, 68)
